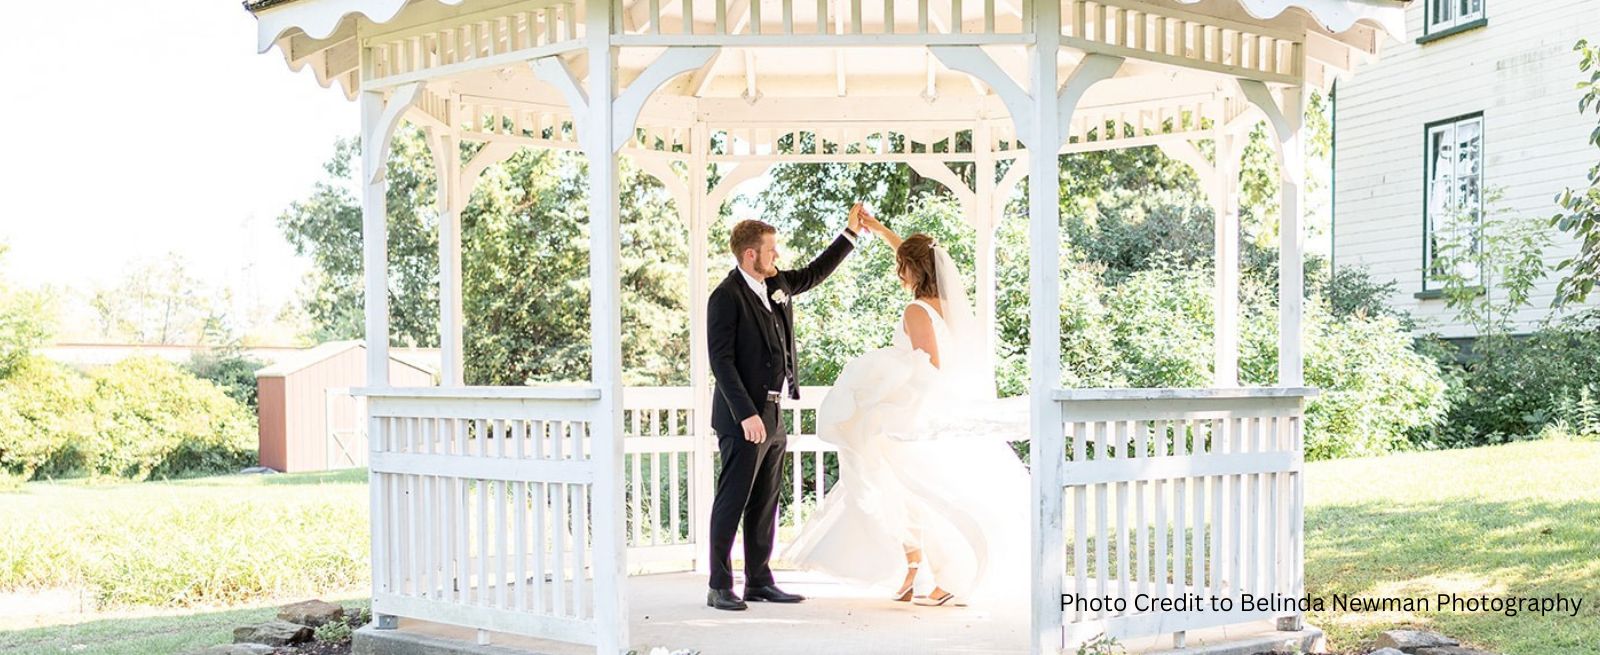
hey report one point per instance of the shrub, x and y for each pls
(1378, 393)
(1162, 322)
(43, 418)
(153, 418)
(1509, 388)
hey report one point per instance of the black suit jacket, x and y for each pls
(747, 354)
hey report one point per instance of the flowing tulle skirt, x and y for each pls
(909, 479)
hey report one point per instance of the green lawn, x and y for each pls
(206, 542)
(1521, 519)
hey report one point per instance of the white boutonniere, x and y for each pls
(780, 297)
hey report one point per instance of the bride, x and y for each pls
(923, 482)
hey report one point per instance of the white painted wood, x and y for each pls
(1225, 206)
(1031, 116)
(1284, 118)
(974, 61)
(673, 62)
(379, 118)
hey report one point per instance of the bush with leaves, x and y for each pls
(43, 418)
(1511, 388)
(152, 418)
(1378, 394)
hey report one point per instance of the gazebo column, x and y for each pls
(1225, 209)
(451, 199)
(605, 121)
(1285, 119)
(600, 142)
(985, 221)
(379, 119)
(1220, 178)
(1042, 116)
(705, 444)
(455, 184)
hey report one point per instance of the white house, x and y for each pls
(1500, 112)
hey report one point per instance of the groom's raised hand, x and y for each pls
(854, 222)
(755, 431)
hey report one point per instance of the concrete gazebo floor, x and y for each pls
(668, 611)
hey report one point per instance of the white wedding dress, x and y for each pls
(923, 462)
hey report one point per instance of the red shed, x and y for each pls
(307, 420)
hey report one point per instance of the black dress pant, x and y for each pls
(747, 490)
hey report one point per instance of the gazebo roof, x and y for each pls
(874, 49)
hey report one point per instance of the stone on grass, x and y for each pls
(236, 649)
(257, 470)
(1386, 651)
(1451, 650)
(314, 613)
(1409, 641)
(272, 633)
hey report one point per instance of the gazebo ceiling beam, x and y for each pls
(672, 63)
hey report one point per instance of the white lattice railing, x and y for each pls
(481, 510)
(669, 471)
(1179, 492)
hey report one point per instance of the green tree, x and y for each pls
(1580, 207)
(158, 302)
(25, 323)
(525, 265)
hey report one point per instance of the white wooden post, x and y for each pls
(452, 198)
(1225, 207)
(1291, 253)
(1048, 450)
(379, 118)
(985, 221)
(605, 295)
(1284, 117)
(705, 443)
(1044, 234)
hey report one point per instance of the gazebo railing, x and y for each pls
(1171, 493)
(669, 466)
(481, 510)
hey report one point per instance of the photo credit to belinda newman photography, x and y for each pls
(1558, 605)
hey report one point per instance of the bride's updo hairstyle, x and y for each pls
(914, 262)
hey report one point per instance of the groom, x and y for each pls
(750, 327)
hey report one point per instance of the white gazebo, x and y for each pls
(520, 512)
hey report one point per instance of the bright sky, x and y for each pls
(138, 127)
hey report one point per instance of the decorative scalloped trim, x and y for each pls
(320, 19)
(1336, 15)
(347, 82)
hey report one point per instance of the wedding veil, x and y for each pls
(962, 359)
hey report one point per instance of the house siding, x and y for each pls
(1520, 71)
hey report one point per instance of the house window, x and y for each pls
(1447, 14)
(1454, 191)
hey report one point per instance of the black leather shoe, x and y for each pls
(724, 599)
(771, 594)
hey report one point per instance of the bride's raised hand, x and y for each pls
(879, 229)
